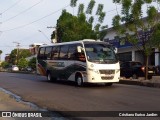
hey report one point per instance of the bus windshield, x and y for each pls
(100, 52)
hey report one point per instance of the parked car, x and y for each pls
(135, 69)
(15, 68)
(29, 69)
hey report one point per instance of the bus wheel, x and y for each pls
(79, 80)
(49, 77)
(135, 76)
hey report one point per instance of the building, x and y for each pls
(34, 49)
(127, 52)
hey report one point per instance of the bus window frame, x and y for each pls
(39, 55)
(52, 54)
(46, 57)
(63, 58)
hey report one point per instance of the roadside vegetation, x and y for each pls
(19, 59)
(82, 25)
(142, 32)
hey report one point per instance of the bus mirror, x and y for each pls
(79, 49)
(115, 50)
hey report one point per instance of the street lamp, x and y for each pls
(44, 35)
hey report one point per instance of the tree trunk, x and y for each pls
(146, 67)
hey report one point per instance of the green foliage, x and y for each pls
(152, 16)
(148, 1)
(99, 9)
(102, 34)
(5, 64)
(13, 56)
(91, 20)
(132, 19)
(71, 28)
(22, 63)
(18, 54)
(74, 28)
(101, 17)
(156, 37)
(131, 16)
(0, 54)
(80, 9)
(32, 63)
(116, 1)
(90, 7)
(73, 3)
(97, 27)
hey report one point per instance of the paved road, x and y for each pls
(67, 97)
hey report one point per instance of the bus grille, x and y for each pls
(107, 72)
(107, 77)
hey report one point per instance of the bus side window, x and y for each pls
(63, 52)
(47, 54)
(72, 52)
(55, 53)
(41, 53)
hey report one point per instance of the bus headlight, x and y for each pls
(94, 70)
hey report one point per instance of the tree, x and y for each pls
(15, 56)
(73, 4)
(32, 63)
(145, 31)
(70, 27)
(0, 54)
(23, 63)
(5, 64)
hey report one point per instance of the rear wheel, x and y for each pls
(49, 77)
(134, 76)
(79, 80)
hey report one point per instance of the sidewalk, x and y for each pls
(7, 103)
(154, 82)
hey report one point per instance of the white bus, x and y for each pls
(86, 61)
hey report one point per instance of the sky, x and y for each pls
(22, 20)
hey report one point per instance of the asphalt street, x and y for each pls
(65, 96)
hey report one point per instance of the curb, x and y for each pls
(147, 83)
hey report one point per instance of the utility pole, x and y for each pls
(55, 40)
(17, 55)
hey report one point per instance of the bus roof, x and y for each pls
(72, 42)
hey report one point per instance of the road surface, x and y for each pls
(66, 96)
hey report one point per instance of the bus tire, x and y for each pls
(79, 80)
(134, 76)
(49, 77)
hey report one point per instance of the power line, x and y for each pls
(23, 11)
(43, 18)
(36, 20)
(11, 6)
